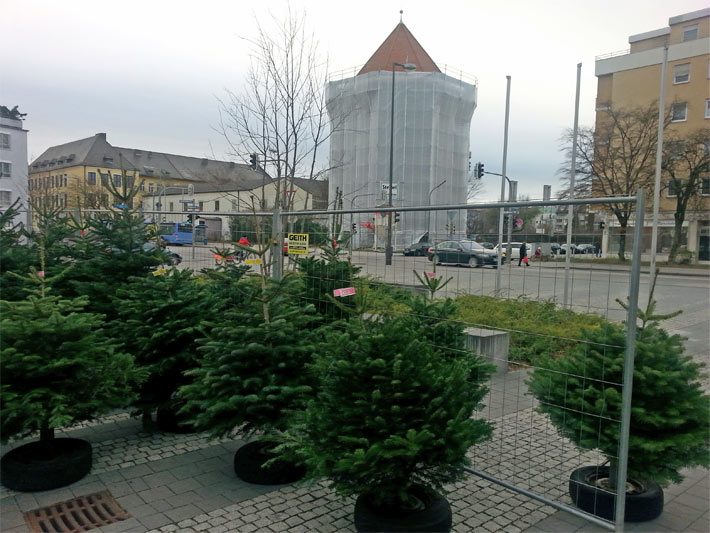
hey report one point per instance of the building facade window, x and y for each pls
(5, 198)
(202, 206)
(4, 141)
(705, 186)
(104, 179)
(151, 187)
(690, 33)
(172, 206)
(216, 205)
(707, 108)
(679, 112)
(5, 169)
(116, 180)
(674, 187)
(91, 178)
(681, 73)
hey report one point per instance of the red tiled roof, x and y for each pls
(399, 47)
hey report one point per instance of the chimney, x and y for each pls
(101, 136)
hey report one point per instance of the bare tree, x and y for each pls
(686, 160)
(617, 158)
(281, 115)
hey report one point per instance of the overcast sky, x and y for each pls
(148, 72)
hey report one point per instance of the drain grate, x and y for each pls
(79, 514)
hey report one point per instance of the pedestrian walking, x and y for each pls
(538, 254)
(523, 255)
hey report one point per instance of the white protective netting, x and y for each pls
(432, 122)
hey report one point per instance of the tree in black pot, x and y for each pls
(161, 317)
(253, 373)
(670, 421)
(392, 421)
(58, 366)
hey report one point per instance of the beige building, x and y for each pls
(217, 201)
(632, 79)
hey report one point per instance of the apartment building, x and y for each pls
(632, 79)
(78, 174)
(13, 162)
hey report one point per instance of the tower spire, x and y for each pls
(400, 15)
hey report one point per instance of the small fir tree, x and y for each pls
(322, 275)
(670, 417)
(254, 359)
(392, 410)
(58, 364)
(160, 318)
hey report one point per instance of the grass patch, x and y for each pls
(536, 328)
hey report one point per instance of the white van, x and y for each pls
(515, 252)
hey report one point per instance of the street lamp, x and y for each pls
(428, 214)
(352, 206)
(388, 249)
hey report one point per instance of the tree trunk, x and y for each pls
(675, 245)
(622, 242)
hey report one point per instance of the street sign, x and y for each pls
(386, 189)
(298, 244)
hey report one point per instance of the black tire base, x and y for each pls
(640, 507)
(434, 517)
(249, 466)
(45, 465)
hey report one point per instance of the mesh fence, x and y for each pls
(553, 424)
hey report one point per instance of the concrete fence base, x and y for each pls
(492, 344)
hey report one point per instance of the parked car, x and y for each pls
(556, 248)
(563, 249)
(462, 253)
(417, 248)
(586, 249)
(515, 252)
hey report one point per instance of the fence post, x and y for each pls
(630, 353)
(277, 241)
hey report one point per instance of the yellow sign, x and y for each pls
(298, 243)
(253, 261)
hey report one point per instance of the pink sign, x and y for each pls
(430, 275)
(346, 291)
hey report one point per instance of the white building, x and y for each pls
(13, 162)
(430, 140)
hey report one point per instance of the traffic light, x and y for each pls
(189, 218)
(354, 227)
(601, 225)
(479, 170)
(254, 161)
(396, 217)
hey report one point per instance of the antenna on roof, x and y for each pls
(400, 16)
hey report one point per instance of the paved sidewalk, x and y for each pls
(186, 483)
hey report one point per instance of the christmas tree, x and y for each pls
(392, 409)
(58, 364)
(253, 370)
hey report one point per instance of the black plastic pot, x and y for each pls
(433, 516)
(644, 503)
(249, 466)
(45, 465)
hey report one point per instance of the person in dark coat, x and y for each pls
(523, 254)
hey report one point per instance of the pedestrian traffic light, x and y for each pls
(396, 217)
(354, 227)
(254, 161)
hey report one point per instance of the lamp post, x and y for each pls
(428, 213)
(352, 206)
(388, 249)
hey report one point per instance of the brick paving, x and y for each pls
(187, 483)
